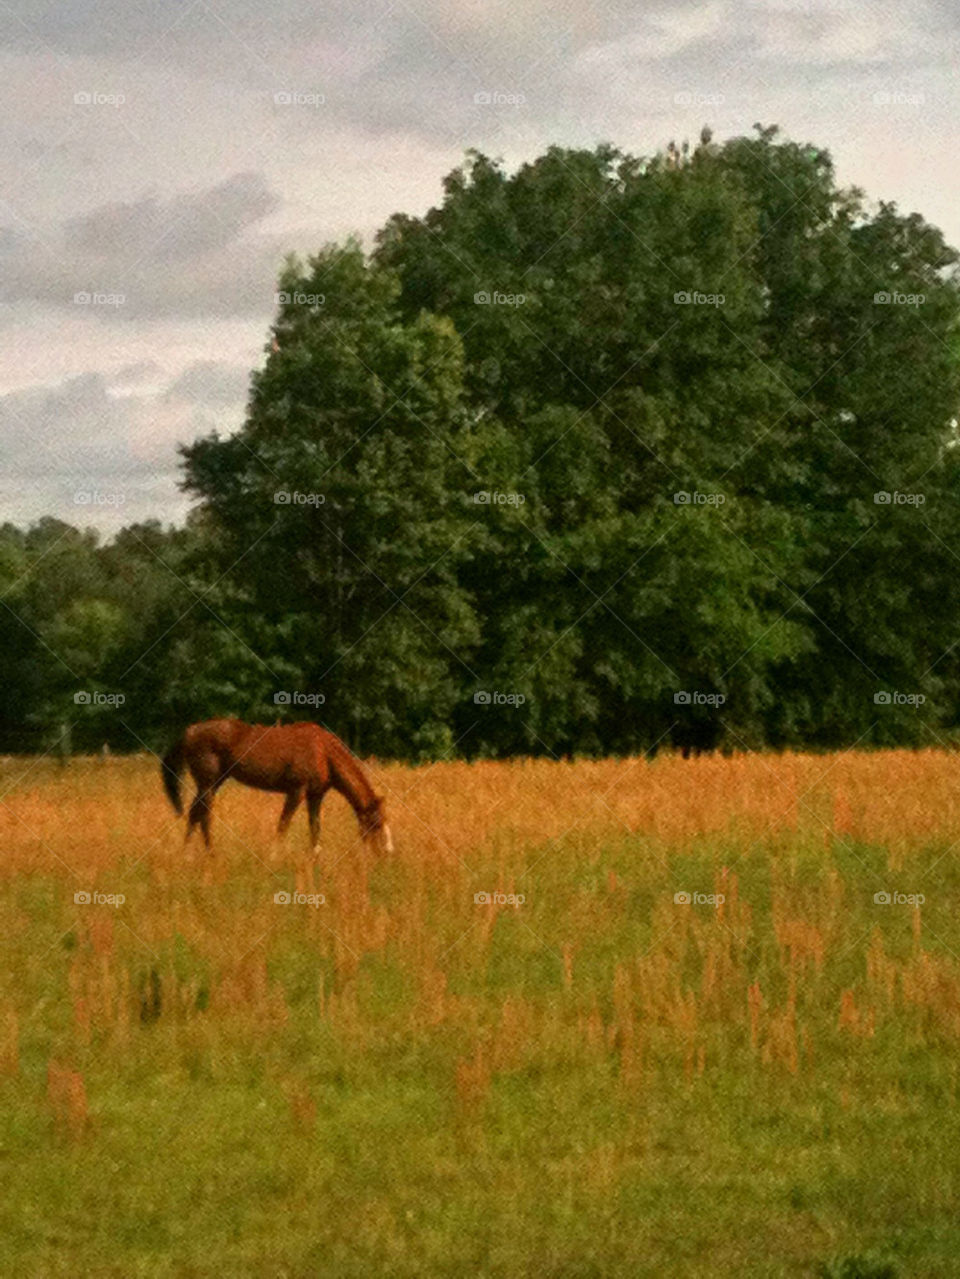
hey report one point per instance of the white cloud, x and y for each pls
(185, 196)
(825, 35)
(658, 35)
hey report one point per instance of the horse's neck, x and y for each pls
(347, 777)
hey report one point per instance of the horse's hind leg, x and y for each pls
(314, 799)
(200, 813)
(208, 780)
(193, 817)
(207, 813)
(290, 806)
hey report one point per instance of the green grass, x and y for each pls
(282, 1140)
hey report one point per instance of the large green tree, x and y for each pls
(610, 451)
(340, 513)
(798, 397)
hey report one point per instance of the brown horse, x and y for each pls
(298, 760)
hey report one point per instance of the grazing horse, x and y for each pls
(297, 760)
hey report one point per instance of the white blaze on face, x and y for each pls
(387, 838)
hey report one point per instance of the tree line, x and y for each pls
(608, 453)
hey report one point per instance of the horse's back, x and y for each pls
(214, 734)
(269, 756)
(279, 756)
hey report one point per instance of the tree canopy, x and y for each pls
(606, 453)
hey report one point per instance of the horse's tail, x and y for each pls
(170, 769)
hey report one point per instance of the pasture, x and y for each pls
(509, 1048)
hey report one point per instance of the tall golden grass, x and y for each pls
(604, 964)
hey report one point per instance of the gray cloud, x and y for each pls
(77, 451)
(181, 229)
(136, 373)
(212, 383)
(184, 197)
(71, 428)
(194, 254)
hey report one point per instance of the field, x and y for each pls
(512, 1048)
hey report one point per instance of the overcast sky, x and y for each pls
(160, 156)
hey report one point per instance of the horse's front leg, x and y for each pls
(290, 806)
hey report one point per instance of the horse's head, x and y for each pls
(373, 825)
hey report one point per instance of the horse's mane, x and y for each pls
(346, 773)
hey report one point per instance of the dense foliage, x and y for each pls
(638, 450)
